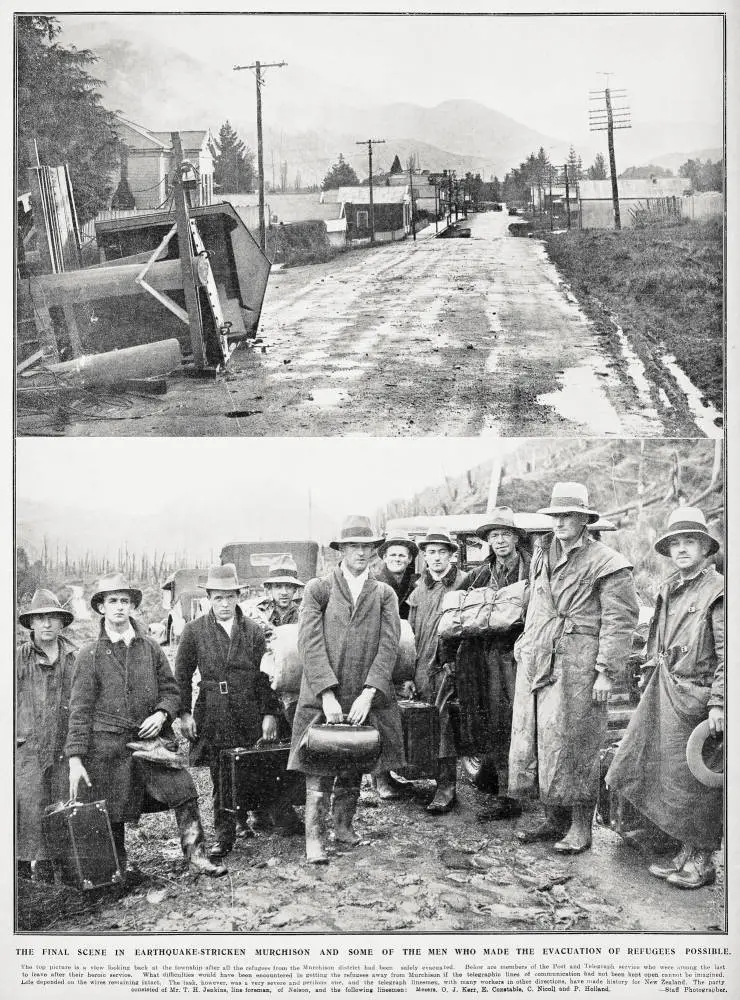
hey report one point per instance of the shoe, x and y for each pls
(199, 864)
(446, 795)
(674, 865)
(547, 830)
(568, 847)
(578, 838)
(384, 787)
(502, 808)
(697, 871)
(218, 850)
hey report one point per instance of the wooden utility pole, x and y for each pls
(607, 119)
(370, 143)
(567, 194)
(187, 267)
(258, 67)
(411, 187)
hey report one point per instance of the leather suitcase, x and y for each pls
(80, 837)
(255, 777)
(420, 723)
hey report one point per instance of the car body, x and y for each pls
(184, 598)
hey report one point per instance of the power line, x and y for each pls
(607, 119)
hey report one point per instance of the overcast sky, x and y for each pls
(537, 69)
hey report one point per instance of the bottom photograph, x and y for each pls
(369, 686)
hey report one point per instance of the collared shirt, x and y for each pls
(226, 625)
(126, 637)
(355, 583)
(502, 568)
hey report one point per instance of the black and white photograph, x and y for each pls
(372, 454)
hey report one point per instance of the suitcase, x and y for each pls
(80, 838)
(420, 723)
(256, 777)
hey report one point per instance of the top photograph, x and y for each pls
(390, 225)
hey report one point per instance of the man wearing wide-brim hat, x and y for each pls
(348, 639)
(433, 677)
(236, 705)
(124, 700)
(44, 666)
(485, 671)
(398, 552)
(683, 687)
(576, 642)
(281, 586)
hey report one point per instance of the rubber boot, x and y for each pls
(343, 811)
(446, 794)
(578, 838)
(698, 870)
(674, 865)
(192, 840)
(317, 807)
(554, 825)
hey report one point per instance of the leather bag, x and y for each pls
(341, 745)
(481, 611)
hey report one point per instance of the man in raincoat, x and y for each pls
(485, 671)
(434, 678)
(43, 670)
(235, 706)
(576, 641)
(348, 638)
(123, 688)
(684, 687)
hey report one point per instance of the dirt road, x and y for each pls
(438, 336)
(412, 872)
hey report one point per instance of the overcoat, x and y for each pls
(42, 717)
(402, 587)
(685, 651)
(113, 691)
(346, 646)
(289, 618)
(581, 615)
(485, 671)
(425, 602)
(234, 694)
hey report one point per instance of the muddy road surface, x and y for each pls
(411, 872)
(438, 336)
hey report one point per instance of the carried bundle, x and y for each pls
(482, 611)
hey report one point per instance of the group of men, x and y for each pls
(531, 699)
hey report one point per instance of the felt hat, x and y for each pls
(284, 571)
(399, 538)
(438, 537)
(570, 498)
(356, 528)
(222, 578)
(114, 583)
(685, 521)
(501, 517)
(704, 755)
(44, 602)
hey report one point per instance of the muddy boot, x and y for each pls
(674, 865)
(192, 839)
(698, 870)
(446, 794)
(553, 826)
(343, 811)
(385, 787)
(578, 838)
(317, 807)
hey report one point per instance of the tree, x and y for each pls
(574, 165)
(59, 106)
(706, 176)
(597, 170)
(340, 174)
(233, 162)
(649, 170)
(396, 167)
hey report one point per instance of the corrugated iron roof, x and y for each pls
(361, 195)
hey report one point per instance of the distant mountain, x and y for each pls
(675, 160)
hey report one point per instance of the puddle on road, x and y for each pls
(707, 418)
(582, 401)
(328, 397)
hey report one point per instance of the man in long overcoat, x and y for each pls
(348, 641)
(235, 706)
(485, 671)
(576, 642)
(686, 670)
(123, 688)
(43, 671)
(433, 676)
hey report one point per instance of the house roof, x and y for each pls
(301, 207)
(191, 139)
(361, 195)
(634, 188)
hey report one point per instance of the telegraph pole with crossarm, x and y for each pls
(608, 118)
(370, 143)
(258, 67)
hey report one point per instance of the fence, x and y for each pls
(703, 205)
